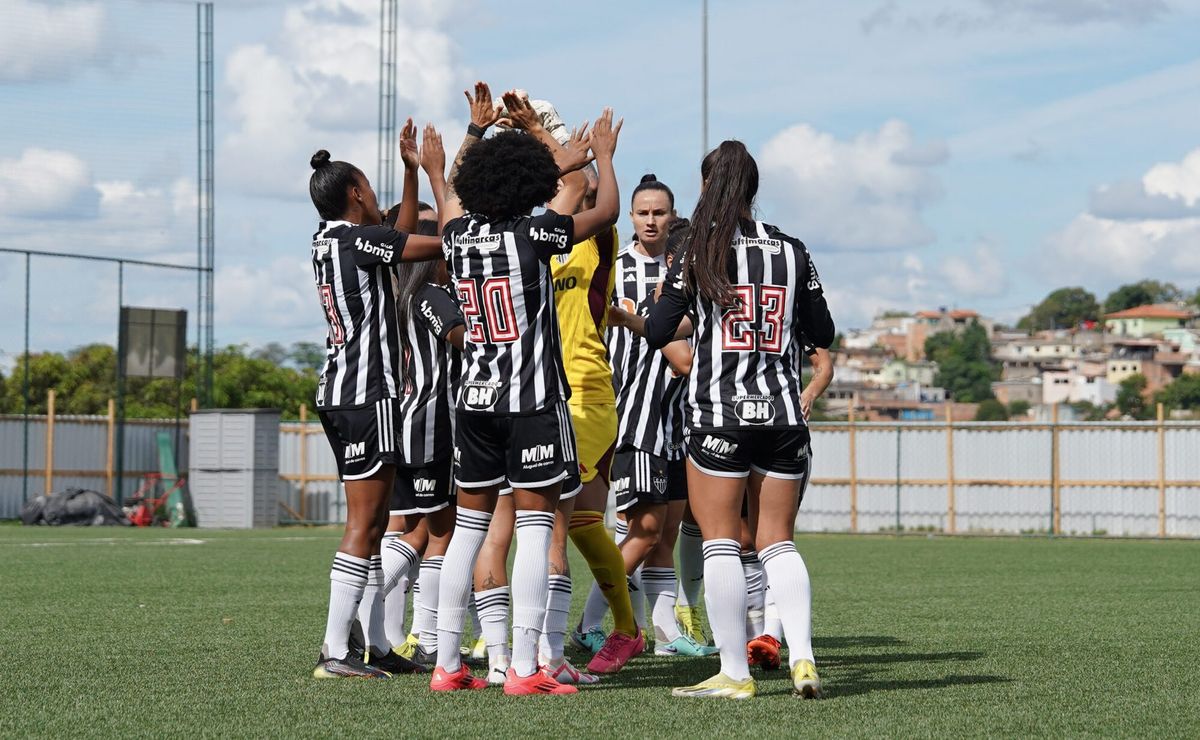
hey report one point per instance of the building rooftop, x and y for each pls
(1153, 311)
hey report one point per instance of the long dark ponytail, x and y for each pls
(730, 184)
(410, 276)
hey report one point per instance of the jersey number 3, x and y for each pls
(738, 333)
(337, 333)
(489, 311)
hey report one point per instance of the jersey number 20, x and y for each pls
(738, 332)
(489, 311)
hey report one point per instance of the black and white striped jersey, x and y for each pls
(644, 384)
(432, 366)
(746, 368)
(353, 267)
(513, 354)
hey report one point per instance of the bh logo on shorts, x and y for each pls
(480, 395)
(754, 409)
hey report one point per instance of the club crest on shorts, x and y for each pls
(660, 484)
(755, 409)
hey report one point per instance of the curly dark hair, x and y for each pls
(506, 176)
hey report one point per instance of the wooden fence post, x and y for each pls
(853, 467)
(49, 474)
(303, 457)
(108, 455)
(1055, 488)
(951, 508)
(195, 404)
(1162, 474)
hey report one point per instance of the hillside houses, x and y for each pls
(882, 369)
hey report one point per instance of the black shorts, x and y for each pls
(639, 477)
(733, 453)
(803, 487)
(422, 490)
(530, 451)
(363, 439)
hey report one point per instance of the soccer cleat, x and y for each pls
(479, 650)
(497, 674)
(460, 680)
(347, 667)
(719, 686)
(684, 645)
(763, 651)
(566, 673)
(617, 651)
(806, 684)
(394, 663)
(539, 682)
(592, 640)
(423, 658)
(688, 618)
(409, 646)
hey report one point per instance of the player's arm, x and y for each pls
(433, 161)
(407, 218)
(603, 144)
(811, 309)
(620, 318)
(679, 356)
(438, 312)
(383, 245)
(822, 376)
(483, 114)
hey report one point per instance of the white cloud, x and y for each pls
(316, 87)
(866, 193)
(1010, 15)
(45, 182)
(275, 295)
(49, 41)
(1136, 230)
(977, 276)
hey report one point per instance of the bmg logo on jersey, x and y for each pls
(480, 395)
(555, 237)
(537, 454)
(355, 451)
(384, 253)
(435, 321)
(754, 409)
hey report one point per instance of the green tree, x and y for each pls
(1131, 398)
(965, 368)
(1141, 293)
(1064, 308)
(307, 356)
(991, 410)
(1018, 408)
(1181, 393)
(1088, 411)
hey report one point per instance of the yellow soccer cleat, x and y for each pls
(408, 648)
(719, 686)
(479, 650)
(806, 684)
(688, 618)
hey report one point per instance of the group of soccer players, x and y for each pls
(492, 371)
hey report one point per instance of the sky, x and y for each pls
(960, 153)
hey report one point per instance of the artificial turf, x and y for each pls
(205, 633)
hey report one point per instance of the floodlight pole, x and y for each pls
(386, 185)
(25, 396)
(205, 242)
(704, 79)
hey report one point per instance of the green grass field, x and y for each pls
(122, 633)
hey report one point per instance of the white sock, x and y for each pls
(398, 558)
(659, 584)
(529, 586)
(596, 605)
(425, 609)
(370, 608)
(558, 611)
(347, 580)
(473, 613)
(793, 592)
(691, 565)
(454, 590)
(637, 597)
(493, 621)
(772, 625)
(754, 594)
(725, 601)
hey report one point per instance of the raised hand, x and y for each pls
(604, 135)
(433, 156)
(520, 112)
(574, 155)
(484, 112)
(408, 145)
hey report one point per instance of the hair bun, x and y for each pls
(319, 160)
(649, 178)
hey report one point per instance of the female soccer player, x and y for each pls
(511, 420)
(753, 291)
(359, 389)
